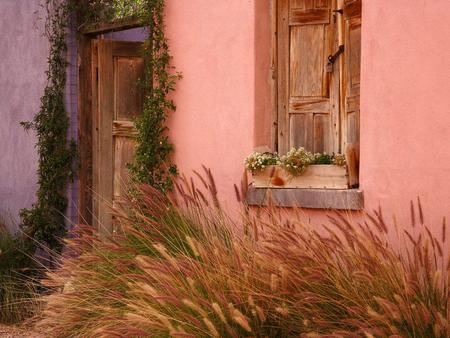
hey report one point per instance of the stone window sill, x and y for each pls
(348, 199)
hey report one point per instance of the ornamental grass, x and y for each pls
(186, 269)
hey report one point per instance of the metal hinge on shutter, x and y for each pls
(332, 58)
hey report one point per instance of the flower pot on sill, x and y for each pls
(323, 176)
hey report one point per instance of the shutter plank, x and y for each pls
(307, 63)
(298, 130)
(352, 102)
(309, 17)
(351, 85)
(297, 4)
(352, 8)
(352, 74)
(352, 127)
(302, 131)
(309, 106)
(321, 133)
(309, 4)
(335, 89)
(322, 4)
(354, 64)
(283, 75)
(273, 75)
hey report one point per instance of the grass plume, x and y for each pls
(183, 268)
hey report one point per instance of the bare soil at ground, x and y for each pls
(18, 332)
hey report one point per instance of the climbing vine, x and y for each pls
(44, 221)
(152, 165)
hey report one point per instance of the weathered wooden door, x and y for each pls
(117, 99)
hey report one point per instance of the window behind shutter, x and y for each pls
(308, 96)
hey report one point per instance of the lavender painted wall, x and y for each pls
(72, 111)
(23, 62)
(135, 34)
(23, 54)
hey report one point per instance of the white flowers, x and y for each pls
(260, 161)
(295, 161)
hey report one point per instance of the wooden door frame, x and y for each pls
(85, 109)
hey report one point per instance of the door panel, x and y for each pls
(117, 99)
(128, 96)
(123, 155)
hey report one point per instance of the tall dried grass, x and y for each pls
(185, 270)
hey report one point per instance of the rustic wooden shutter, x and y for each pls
(351, 88)
(352, 71)
(308, 96)
(117, 100)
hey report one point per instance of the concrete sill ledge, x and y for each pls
(350, 199)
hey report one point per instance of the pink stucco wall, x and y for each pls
(214, 47)
(23, 53)
(405, 105)
(223, 99)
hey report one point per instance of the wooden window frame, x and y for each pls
(349, 199)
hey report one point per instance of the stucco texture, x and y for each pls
(214, 48)
(405, 106)
(23, 54)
